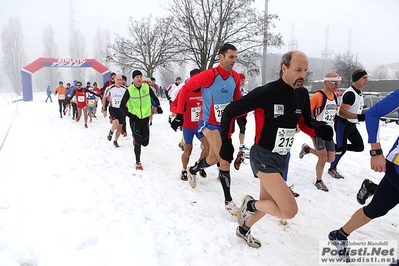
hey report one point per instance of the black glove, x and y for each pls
(319, 123)
(324, 132)
(227, 150)
(361, 117)
(177, 122)
(159, 110)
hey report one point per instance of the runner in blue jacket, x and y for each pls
(386, 197)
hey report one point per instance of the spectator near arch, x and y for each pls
(27, 71)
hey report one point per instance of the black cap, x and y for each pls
(178, 78)
(60, 82)
(136, 73)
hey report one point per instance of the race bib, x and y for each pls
(329, 116)
(116, 102)
(284, 140)
(219, 108)
(81, 99)
(62, 96)
(195, 114)
(91, 102)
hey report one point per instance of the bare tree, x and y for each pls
(204, 26)
(380, 72)
(49, 75)
(149, 45)
(14, 56)
(308, 79)
(344, 65)
(170, 72)
(168, 75)
(77, 50)
(101, 43)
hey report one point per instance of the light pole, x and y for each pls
(264, 54)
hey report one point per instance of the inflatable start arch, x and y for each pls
(27, 71)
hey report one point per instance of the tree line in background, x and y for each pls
(192, 33)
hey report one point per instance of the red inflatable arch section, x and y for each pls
(27, 71)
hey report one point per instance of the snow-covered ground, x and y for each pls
(68, 197)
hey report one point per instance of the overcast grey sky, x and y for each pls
(373, 24)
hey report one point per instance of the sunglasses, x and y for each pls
(335, 83)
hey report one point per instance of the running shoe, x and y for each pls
(192, 178)
(139, 166)
(110, 133)
(86, 126)
(334, 173)
(77, 118)
(124, 134)
(231, 207)
(363, 194)
(239, 160)
(305, 149)
(184, 175)
(321, 186)
(116, 145)
(243, 148)
(202, 173)
(340, 242)
(181, 146)
(251, 241)
(296, 195)
(243, 212)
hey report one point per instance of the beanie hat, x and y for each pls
(195, 71)
(358, 74)
(136, 73)
(242, 76)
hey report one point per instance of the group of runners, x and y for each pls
(210, 101)
(280, 108)
(137, 101)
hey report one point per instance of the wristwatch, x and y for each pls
(376, 152)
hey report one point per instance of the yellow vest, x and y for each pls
(139, 102)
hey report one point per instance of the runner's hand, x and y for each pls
(227, 150)
(177, 122)
(325, 132)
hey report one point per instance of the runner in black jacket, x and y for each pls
(278, 107)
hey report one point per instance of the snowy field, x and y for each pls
(68, 197)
